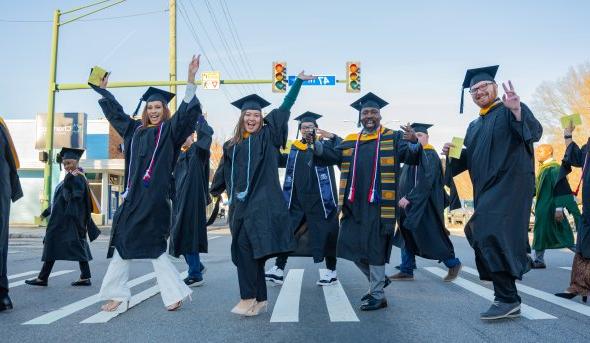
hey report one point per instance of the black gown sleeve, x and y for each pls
(283, 160)
(204, 135)
(183, 121)
(408, 152)
(575, 156)
(218, 185)
(425, 180)
(528, 128)
(113, 111)
(326, 152)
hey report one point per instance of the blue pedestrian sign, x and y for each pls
(322, 80)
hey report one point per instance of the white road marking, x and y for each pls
(339, 308)
(286, 308)
(16, 276)
(22, 282)
(566, 268)
(527, 311)
(67, 310)
(565, 303)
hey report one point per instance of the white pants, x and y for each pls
(172, 287)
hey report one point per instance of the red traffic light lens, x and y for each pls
(353, 68)
(279, 68)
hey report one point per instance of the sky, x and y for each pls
(413, 53)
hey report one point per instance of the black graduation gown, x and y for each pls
(574, 156)
(69, 222)
(363, 238)
(10, 190)
(318, 238)
(191, 179)
(499, 155)
(422, 223)
(263, 213)
(142, 223)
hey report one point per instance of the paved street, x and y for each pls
(423, 310)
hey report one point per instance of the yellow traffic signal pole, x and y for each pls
(47, 172)
(172, 53)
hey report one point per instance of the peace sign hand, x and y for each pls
(511, 100)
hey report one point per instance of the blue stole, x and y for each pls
(324, 183)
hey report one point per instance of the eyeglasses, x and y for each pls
(483, 86)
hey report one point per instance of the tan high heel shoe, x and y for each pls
(244, 306)
(121, 307)
(174, 307)
(258, 308)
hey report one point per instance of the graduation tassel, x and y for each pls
(242, 195)
(137, 108)
(462, 100)
(148, 173)
(372, 191)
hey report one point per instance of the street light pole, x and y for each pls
(172, 54)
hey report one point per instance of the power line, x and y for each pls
(186, 18)
(85, 20)
(242, 89)
(220, 32)
(237, 41)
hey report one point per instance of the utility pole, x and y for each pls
(172, 54)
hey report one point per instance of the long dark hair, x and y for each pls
(240, 128)
(145, 121)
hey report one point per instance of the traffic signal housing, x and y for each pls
(353, 77)
(279, 77)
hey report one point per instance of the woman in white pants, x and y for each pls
(141, 225)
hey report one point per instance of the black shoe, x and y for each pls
(5, 303)
(365, 297)
(500, 310)
(538, 265)
(566, 295)
(36, 282)
(372, 304)
(85, 282)
(193, 282)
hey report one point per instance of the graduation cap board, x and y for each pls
(71, 154)
(368, 100)
(155, 94)
(251, 102)
(97, 74)
(474, 76)
(420, 127)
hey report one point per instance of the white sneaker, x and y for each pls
(328, 278)
(275, 275)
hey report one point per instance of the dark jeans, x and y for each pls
(250, 270)
(409, 262)
(48, 266)
(281, 262)
(195, 267)
(3, 258)
(505, 287)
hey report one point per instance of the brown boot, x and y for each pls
(453, 273)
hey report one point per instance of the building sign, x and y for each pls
(69, 130)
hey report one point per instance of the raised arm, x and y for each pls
(325, 151)
(277, 120)
(182, 122)
(113, 111)
(408, 148)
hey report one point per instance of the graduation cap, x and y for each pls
(473, 76)
(251, 102)
(368, 100)
(307, 117)
(420, 127)
(154, 94)
(68, 154)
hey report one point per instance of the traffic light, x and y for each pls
(279, 77)
(353, 77)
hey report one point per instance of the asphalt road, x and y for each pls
(424, 310)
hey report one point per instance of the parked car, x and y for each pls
(461, 215)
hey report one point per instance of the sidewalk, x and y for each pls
(33, 231)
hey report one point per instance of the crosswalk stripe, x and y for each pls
(527, 311)
(286, 308)
(565, 303)
(14, 251)
(16, 276)
(67, 310)
(566, 268)
(104, 316)
(22, 282)
(339, 308)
